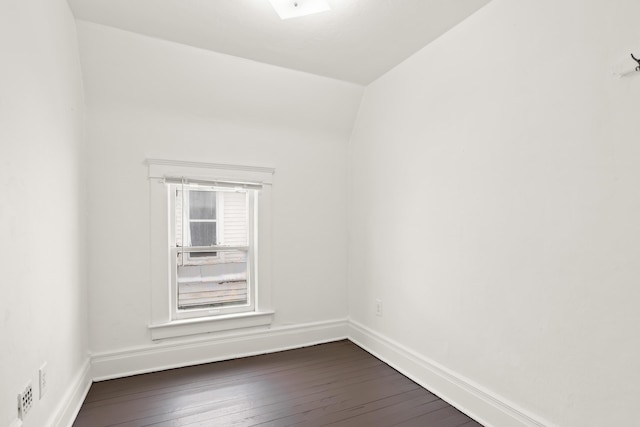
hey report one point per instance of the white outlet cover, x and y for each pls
(294, 8)
(42, 376)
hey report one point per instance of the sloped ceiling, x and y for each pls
(357, 41)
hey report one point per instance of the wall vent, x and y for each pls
(25, 401)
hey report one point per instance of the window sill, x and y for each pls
(203, 325)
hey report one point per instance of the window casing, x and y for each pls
(174, 264)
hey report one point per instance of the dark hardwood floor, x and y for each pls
(336, 384)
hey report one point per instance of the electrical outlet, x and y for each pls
(378, 308)
(25, 401)
(42, 374)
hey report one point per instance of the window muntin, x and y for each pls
(212, 273)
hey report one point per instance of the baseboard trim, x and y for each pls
(169, 355)
(486, 407)
(482, 405)
(68, 409)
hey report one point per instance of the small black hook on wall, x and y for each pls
(637, 60)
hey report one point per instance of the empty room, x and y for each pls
(320, 212)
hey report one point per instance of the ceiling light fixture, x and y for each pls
(294, 8)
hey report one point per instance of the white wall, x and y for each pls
(151, 98)
(514, 158)
(43, 307)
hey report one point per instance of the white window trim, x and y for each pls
(203, 325)
(162, 324)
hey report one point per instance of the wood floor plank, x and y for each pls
(203, 374)
(429, 418)
(336, 384)
(331, 400)
(387, 415)
(229, 395)
(471, 423)
(326, 370)
(253, 416)
(195, 410)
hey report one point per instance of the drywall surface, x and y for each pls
(494, 205)
(356, 41)
(152, 98)
(43, 308)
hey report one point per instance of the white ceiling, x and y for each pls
(357, 41)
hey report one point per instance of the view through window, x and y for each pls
(212, 239)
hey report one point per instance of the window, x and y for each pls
(210, 238)
(211, 249)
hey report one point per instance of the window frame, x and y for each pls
(163, 322)
(249, 248)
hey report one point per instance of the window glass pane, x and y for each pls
(202, 204)
(203, 233)
(220, 282)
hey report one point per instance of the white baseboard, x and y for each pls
(168, 355)
(73, 398)
(470, 398)
(485, 407)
